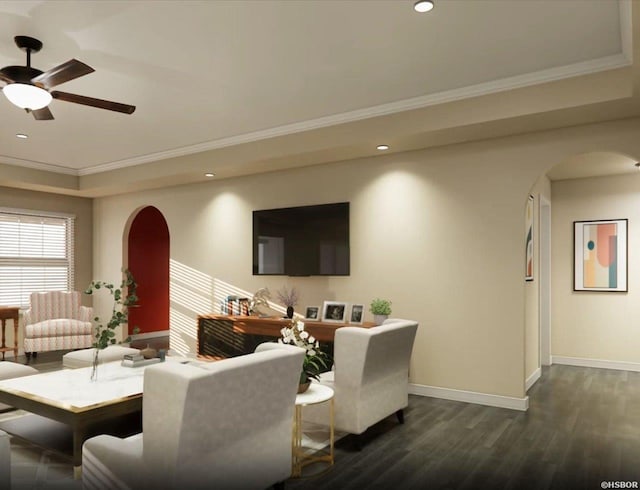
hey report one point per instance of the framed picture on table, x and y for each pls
(357, 314)
(312, 313)
(334, 311)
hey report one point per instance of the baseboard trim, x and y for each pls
(150, 335)
(596, 363)
(531, 380)
(499, 401)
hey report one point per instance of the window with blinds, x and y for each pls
(36, 254)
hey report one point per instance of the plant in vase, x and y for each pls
(289, 298)
(381, 309)
(124, 297)
(315, 361)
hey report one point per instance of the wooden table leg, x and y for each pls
(16, 322)
(78, 439)
(3, 336)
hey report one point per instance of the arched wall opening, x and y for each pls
(148, 252)
(564, 325)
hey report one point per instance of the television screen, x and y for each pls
(302, 241)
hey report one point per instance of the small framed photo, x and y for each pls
(357, 314)
(312, 313)
(334, 311)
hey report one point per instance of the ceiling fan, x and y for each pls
(29, 88)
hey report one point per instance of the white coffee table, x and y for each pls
(316, 393)
(70, 397)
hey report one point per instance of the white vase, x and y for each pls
(379, 319)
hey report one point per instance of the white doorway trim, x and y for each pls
(544, 316)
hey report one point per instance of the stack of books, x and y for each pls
(137, 360)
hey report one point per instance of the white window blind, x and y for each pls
(36, 254)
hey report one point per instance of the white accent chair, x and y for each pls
(370, 376)
(5, 461)
(225, 424)
(56, 320)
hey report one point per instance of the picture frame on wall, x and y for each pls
(600, 255)
(334, 311)
(357, 314)
(312, 313)
(528, 269)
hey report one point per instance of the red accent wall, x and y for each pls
(149, 264)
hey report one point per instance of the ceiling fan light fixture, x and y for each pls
(27, 96)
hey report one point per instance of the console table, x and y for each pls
(231, 335)
(7, 313)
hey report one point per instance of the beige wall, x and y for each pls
(594, 325)
(82, 208)
(532, 288)
(439, 232)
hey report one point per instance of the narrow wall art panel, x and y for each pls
(600, 255)
(528, 269)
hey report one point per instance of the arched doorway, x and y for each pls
(148, 261)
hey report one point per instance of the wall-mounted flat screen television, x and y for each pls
(302, 241)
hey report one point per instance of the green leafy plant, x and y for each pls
(316, 361)
(380, 307)
(124, 297)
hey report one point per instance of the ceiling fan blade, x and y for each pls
(43, 114)
(62, 73)
(5, 78)
(90, 101)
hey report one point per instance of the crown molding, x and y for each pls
(520, 81)
(544, 76)
(46, 167)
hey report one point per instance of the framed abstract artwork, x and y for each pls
(528, 265)
(600, 255)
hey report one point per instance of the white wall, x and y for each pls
(596, 326)
(439, 232)
(532, 288)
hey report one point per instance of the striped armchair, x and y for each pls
(56, 320)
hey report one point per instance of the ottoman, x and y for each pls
(10, 370)
(84, 357)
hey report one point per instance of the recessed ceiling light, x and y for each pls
(423, 6)
(22, 136)
(638, 165)
(382, 147)
(209, 174)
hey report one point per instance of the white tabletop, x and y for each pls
(316, 393)
(73, 389)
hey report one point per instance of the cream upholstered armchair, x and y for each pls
(56, 320)
(226, 424)
(370, 377)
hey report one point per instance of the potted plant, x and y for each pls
(315, 360)
(381, 309)
(123, 298)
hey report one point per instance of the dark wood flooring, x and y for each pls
(582, 428)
